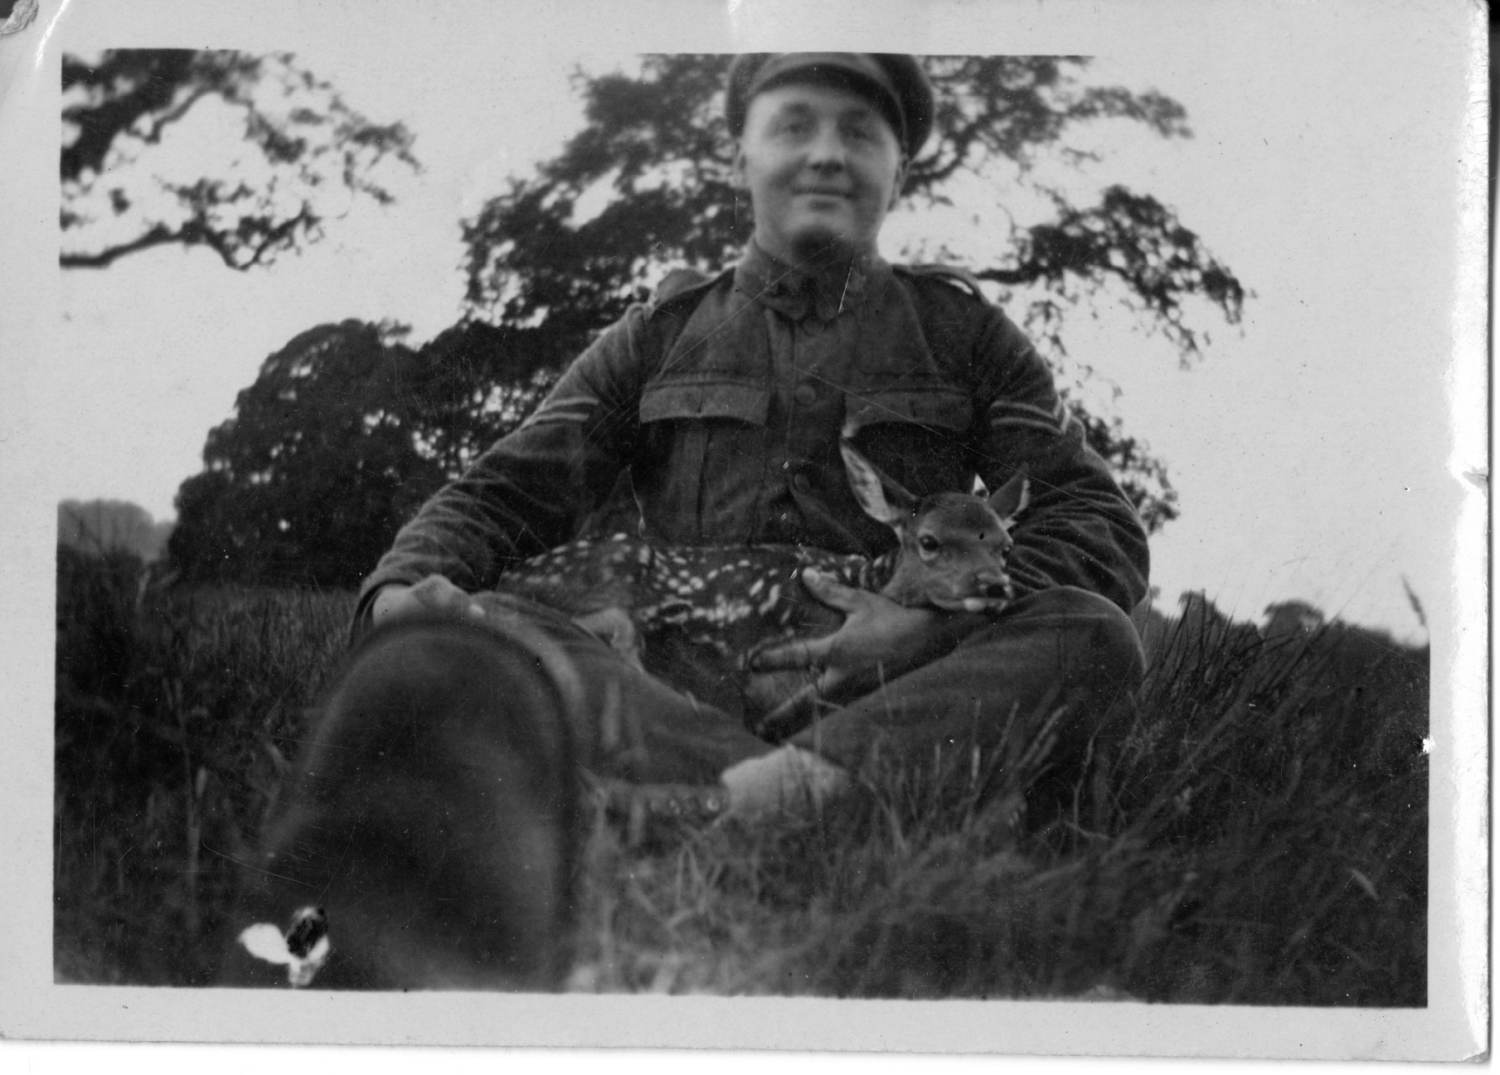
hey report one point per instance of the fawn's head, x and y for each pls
(953, 545)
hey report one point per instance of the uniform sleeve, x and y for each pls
(1079, 528)
(530, 490)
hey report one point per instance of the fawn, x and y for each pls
(732, 600)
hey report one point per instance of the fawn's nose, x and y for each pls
(991, 584)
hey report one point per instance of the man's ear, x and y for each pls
(900, 184)
(737, 169)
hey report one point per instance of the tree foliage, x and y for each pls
(305, 152)
(343, 434)
(646, 186)
(100, 527)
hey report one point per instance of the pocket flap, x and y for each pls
(939, 407)
(678, 400)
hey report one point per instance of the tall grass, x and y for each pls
(176, 718)
(1259, 835)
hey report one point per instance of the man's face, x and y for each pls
(823, 168)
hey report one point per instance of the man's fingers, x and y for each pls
(830, 591)
(798, 653)
(437, 594)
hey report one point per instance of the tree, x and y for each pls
(308, 153)
(1293, 619)
(307, 481)
(97, 527)
(646, 186)
(473, 383)
(342, 436)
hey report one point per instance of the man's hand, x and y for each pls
(879, 638)
(433, 594)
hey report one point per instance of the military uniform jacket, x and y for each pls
(726, 402)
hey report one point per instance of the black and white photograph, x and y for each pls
(636, 525)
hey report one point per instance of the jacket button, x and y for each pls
(806, 394)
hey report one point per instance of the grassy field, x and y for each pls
(1261, 838)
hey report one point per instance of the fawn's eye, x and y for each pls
(929, 544)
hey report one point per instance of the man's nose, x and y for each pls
(827, 149)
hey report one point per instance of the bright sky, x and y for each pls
(1311, 449)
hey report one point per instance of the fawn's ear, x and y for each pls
(881, 497)
(1011, 498)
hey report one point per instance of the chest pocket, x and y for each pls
(918, 435)
(702, 464)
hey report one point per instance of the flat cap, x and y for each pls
(895, 82)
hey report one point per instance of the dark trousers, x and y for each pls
(434, 811)
(1059, 662)
(1063, 658)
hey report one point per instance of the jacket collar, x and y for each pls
(796, 294)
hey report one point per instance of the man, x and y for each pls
(725, 401)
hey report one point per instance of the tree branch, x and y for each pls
(172, 115)
(1025, 274)
(138, 94)
(159, 235)
(197, 233)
